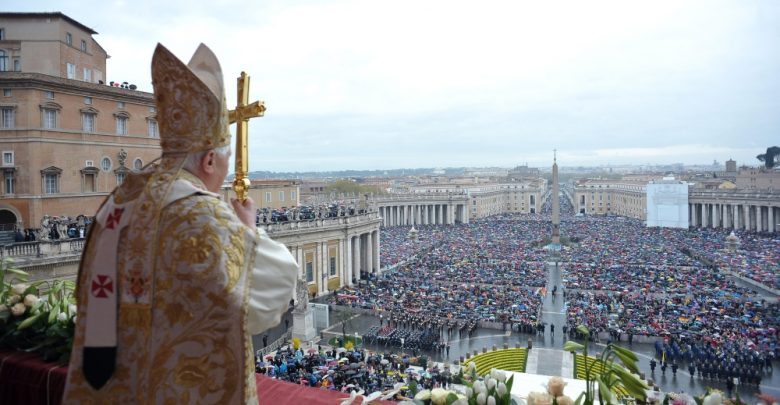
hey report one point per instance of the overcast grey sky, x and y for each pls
(414, 83)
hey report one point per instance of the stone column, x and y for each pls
(759, 220)
(301, 264)
(439, 214)
(369, 253)
(746, 214)
(735, 216)
(341, 268)
(715, 215)
(771, 219)
(690, 217)
(325, 265)
(376, 253)
(357, 259)
(396, 221)
(348, 262)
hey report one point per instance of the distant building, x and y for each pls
(66, 138)
(271, 194)
(757, 178)
(731, 166)
(612, 197)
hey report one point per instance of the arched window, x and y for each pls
(106, 164)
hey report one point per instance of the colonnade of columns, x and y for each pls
(753, 217)
(364, 249)
(357, 256)
(423, 214)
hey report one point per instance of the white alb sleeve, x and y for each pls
(274, 272)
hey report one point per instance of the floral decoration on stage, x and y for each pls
(36, 317)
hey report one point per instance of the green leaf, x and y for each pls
(53, 314)
(28, 322)
(626, 352)
(584, 330)
(630, 364)
(579, 399)
(604, 392)
(17, 272)
(451, 398)
(509, 383)
(572, 346)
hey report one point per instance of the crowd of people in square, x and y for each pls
(491, 271)
(351, 370)
(619, 277)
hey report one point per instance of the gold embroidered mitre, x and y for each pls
(191, 109)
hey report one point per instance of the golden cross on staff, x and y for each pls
(241, 115)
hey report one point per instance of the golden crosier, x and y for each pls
(241, 115)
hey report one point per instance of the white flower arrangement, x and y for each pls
(31, 322)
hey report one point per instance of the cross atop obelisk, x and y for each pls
(241, 115)
(556, 205)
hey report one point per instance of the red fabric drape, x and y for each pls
(26, 379)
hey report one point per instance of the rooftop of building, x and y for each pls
(55, 14)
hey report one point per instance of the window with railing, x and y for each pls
(8, 118)
(88, 121)
(49, 118)
(121, 125)
(51, 179)
(8, 181)
(152, 128)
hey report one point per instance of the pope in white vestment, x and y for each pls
(173, 282)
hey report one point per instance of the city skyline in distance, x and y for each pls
(353, 85)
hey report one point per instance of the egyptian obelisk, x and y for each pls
(556, 206)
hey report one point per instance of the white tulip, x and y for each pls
(14, 299)
(716, 398)
(18, 309)
(469, 392)
(423, 395)
(501, 389)
(481, 398)
(493, 373)
(19, 289)
(439, 396)
(62, 317)
(72, 308)
(501, 376)
(30, 300)
(478, 386)
(491, 401)
(472, 366)
(491, 383)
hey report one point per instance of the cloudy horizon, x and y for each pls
(380, 85)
